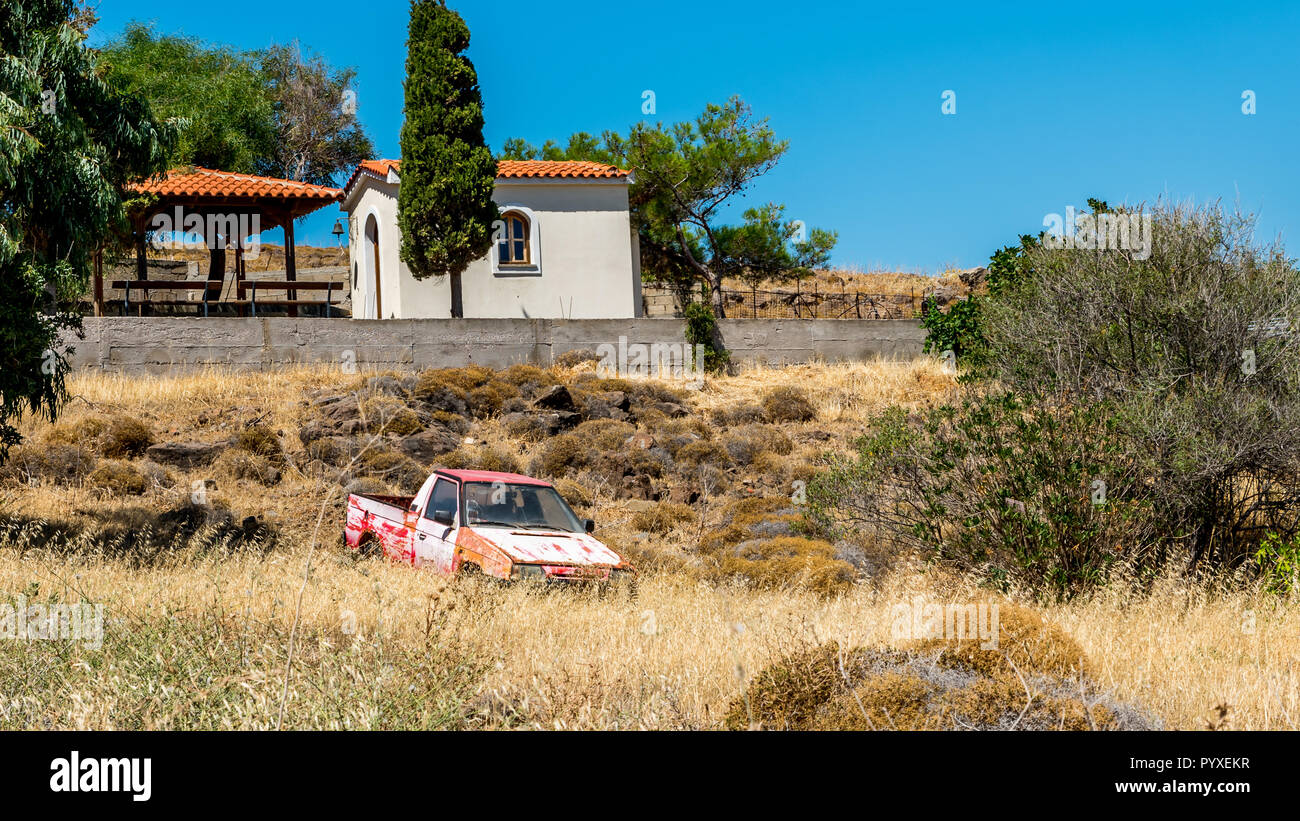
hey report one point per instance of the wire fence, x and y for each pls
(812, 303)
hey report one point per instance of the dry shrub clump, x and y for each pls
(387, 414)
(472, 390)
(56, 464)
(1036, 679)
(260, 441)
(663, 517)
(125, 438)
(118, 478)
(574, 493)
(747, 443)
(788, 404)
(480, 457)
(761, 547)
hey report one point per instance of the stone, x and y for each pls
(640, 441)
(186, 454)
(671, 409)
(556, 397)
(428, 445)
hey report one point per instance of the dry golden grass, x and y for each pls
(204, 641)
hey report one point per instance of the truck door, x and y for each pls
(435, 533)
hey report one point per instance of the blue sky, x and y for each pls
(1055, 102)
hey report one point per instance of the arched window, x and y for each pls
(513, 249)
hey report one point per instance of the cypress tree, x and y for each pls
(445, 207)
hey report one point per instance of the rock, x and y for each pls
(558, 422)
(617, 399)
(641, 441)
(186, 454)
(684, 495)
(671, 409)
(428, 445)
(556, 397)
(340, 408)
(387, 383)
(313, 430)
(638, 488)
(942, 296)
(599, 407)
(444, 399)
(972, 277)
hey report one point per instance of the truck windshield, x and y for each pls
(526, 507)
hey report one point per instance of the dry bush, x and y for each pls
(788, 404)
(241, 465)
(746, 443)
(261, 441)
(760, 546)
(125, 438)
(1032, 681)
(389, 415)
(604, 434)
(562, 454)
(396, 469)
(522, 376)
(480, 457)
(574, 493)
(53, 463)
(118, 478)
(663, 518)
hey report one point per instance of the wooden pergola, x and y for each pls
(216, 198)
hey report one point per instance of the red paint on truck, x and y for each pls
(504, 524)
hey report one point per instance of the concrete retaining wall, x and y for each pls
(159, 345)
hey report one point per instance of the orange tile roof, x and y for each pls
(205, 182)
(544, 168)
(510, 169)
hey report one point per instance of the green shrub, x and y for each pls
(1000, 487)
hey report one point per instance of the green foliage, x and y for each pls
(1278, 562)
(448, 174)
(69, 145)
(686, 174)
(1000, 486)
(273, 112)
(220, 93)
(702, 329)
(958, 330)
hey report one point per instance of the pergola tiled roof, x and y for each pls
(204, 188)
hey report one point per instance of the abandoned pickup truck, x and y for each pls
(502, 525)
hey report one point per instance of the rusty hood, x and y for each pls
(549, 547)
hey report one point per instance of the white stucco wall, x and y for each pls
(589, 266)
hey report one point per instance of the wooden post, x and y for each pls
(141, 263)
(290, 260)
(99, 282)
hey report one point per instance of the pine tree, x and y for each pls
(445, 208)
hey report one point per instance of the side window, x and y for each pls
(442, 501)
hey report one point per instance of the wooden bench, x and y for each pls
(250, 287)
(147, 285)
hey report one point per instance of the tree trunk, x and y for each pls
(715, 296)
(457, 299)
